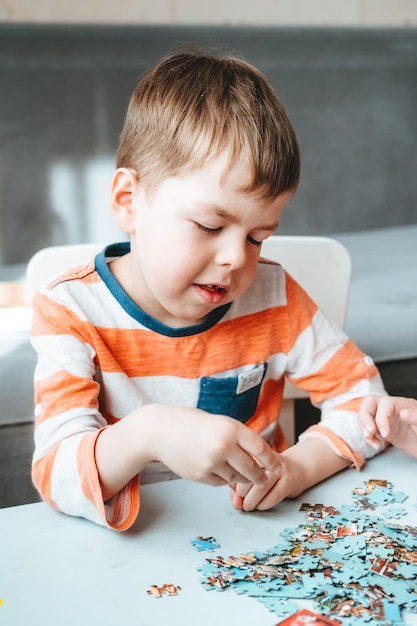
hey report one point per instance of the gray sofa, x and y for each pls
(351, 95)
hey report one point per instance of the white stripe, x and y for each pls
(93, 303)
(267, 291)
(58, 352)
(277, 364)
(123, 395)
(344, 424)
(315, 346)
(65, 482)
(52, 431)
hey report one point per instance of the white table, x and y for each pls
(60, 570)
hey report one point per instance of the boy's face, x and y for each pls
(195, 242)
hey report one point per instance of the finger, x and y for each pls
(373, 420)
(260, 456)
(368, 426)
(237, 501)
(259, 498)
(268, 501)
(387, 409)
(241, 489)
(232, 476)
(367, 414)
(409, 415)
(407, 409)
(241, 467)
(369, 406)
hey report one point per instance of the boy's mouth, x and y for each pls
(211, 293)
(215, 288)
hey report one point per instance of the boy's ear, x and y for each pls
(123, 188)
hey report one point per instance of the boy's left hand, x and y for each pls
(302, 466)
(248, 497)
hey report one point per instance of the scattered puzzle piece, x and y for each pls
(169, 589)
(204, 543)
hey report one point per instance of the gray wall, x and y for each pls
(351, 94)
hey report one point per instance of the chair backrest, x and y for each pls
(321, 265)
(49, 262)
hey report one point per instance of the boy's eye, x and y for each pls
(207, 229)
(254, 241)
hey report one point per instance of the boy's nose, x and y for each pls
(233, 254)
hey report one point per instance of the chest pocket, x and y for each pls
(235, 396)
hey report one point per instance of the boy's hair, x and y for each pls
(194, 106)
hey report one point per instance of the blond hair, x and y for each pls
(194, 106)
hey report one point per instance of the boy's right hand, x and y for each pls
(209, 448)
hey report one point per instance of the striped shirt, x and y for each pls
(100, 357)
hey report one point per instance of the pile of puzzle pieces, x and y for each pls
(356, 564)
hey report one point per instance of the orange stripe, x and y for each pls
(128, 499)
(78, 392)
(267, 413)
(269, 405)
(300, 310)
(341, 372)
(51, 318)
(126, 507)
(41, 475)
(142, 353)
(279, 444)
(85, 272)
(352, 405)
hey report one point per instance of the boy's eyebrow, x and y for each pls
(222, 213)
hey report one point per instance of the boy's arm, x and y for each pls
(207, 448)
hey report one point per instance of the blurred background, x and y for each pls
(344, 69)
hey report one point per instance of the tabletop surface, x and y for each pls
(55, 569)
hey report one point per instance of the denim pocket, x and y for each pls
(235, 396)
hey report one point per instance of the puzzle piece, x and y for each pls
(168, 589)
(395, 512)
(204, 543)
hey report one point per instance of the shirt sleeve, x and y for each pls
(336, 373)
(68, 421)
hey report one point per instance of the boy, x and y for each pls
(393, 418)
(175, 347)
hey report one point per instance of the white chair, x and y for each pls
(320, 264)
